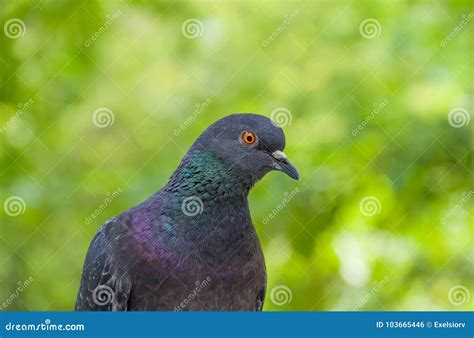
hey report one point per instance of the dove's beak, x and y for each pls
(282, 164)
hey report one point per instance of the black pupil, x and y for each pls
(249, 138)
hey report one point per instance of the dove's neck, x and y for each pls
(200, 196)
(203, 175)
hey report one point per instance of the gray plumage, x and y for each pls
(191, 245)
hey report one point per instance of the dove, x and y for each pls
(192, 245)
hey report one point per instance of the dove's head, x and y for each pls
(247, 145)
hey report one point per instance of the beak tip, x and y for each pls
(291, 171)
(296, 176)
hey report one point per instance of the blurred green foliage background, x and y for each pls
(369, 102)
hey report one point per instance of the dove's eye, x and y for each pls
(249, 137)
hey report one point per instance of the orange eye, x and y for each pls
(248, 137)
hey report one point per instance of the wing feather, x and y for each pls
(105, 286)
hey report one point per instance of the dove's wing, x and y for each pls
(105, 285)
